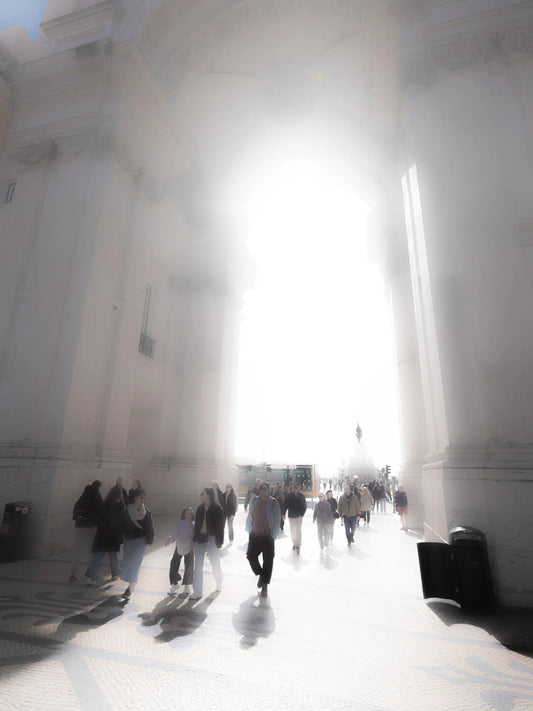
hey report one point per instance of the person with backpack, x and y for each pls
(86, 516)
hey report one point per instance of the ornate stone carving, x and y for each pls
(72, 146)
(36, 153)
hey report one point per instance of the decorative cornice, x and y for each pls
(498, 46)
(32, 155)
(83, 26)
(94, 144)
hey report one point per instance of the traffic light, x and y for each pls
(387, 471)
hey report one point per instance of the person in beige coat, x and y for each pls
(350, 511)
(367, 501)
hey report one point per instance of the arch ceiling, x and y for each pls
(229, 68)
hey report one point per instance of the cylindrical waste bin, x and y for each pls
(15, 532)
(473, 578)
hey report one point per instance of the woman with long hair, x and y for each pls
(138, 533)
(208, 539)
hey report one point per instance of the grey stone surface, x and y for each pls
(347, 629)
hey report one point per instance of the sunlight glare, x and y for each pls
(316, 310)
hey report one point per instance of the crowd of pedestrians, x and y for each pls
(122, 521)
(104, 526)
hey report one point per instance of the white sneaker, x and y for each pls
(173, 589)
(218, 588)
(195, 596)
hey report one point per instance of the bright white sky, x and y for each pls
(316, 351)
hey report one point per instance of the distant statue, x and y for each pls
(358, 432)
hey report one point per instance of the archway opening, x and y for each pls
(316, 351)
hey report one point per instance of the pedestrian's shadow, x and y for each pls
(355, 552)
(328, 561)
(296, 560)
(254, 619)
(178, 617)
(109, 609)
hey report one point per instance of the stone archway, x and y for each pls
(123, 120)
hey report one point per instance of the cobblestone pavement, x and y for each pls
(344, 630)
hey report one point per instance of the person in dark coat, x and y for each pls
(400, 501)
(86, 515)
(138, 530)
(120, 482)
(108, 536)
(132, 493)
(296, 508)
(229, 507)
(208, 538)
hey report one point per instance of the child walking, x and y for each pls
(182, 535)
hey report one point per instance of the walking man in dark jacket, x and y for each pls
(296, 508)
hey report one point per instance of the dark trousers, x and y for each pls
(258, 545)
(175, 566)
(366, 516)
(349, 527)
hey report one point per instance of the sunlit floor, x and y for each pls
(343, 630)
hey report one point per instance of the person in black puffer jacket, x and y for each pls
(108, 536)
(86, 516)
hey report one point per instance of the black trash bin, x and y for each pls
(15, 531)
(459, 570)
(474, 581)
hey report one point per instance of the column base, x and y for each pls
(491, 490)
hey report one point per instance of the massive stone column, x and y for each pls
(198, 417)
(468, 180)
(74, 255)
(411, 404)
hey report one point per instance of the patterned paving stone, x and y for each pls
(343, 630)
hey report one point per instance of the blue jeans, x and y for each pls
(349, 527)
(96, 562)
(230, 527)
(200, 549)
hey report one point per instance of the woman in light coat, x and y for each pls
(367, 501)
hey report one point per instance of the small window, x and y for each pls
(146, 308)
(146, 344)
(10, 191)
